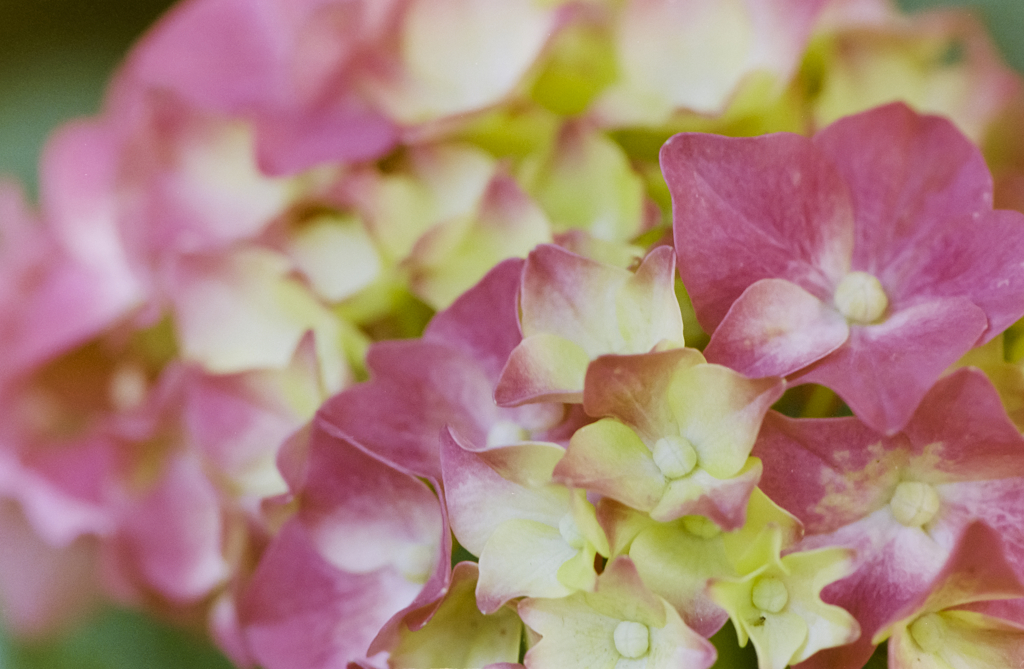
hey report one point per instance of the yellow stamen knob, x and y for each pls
(675, 456)
(770, 594)
(860, 298)
(914, 503)
(632, 639)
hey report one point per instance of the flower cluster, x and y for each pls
(454, 333)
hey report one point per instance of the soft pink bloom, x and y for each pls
(42, 587)
(287, 67)
(64, 275)
(902, 502)
(867, 259)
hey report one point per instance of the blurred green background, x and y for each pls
(55, 58)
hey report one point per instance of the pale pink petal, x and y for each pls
(479, 499)
(601, 308)
(435, 77)
(976, 570)
(696, 54)
(43, 587)
(775, 328)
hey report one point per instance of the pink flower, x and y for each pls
(901, 502)
(867, 259)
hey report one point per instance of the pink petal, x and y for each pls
(484, 322)
(911, 178)
(479, 499)
(740, 216)
(299, 612)
(172, 539)
(808, 466)
(969, 433)
(977, 258)
(776, 328)
(416, 389)
(976, 570)
(363, 515)
(343, 130)
(43, 587)
(883, 371)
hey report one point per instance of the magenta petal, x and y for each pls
(484, 321)
(747, 209)
(776, 328)
(969, 433)
(883, 371)
(978, 258)
(416, 388)
(976, 570)
(808, 467)
(910, 177)
(299, 612)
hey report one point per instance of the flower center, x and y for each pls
(675, 456)
(632, 639)
(505, 432)
(769, 594)
(570, 532)
(927, 632)
(700, 526)
(861, 298)
(914, 503)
